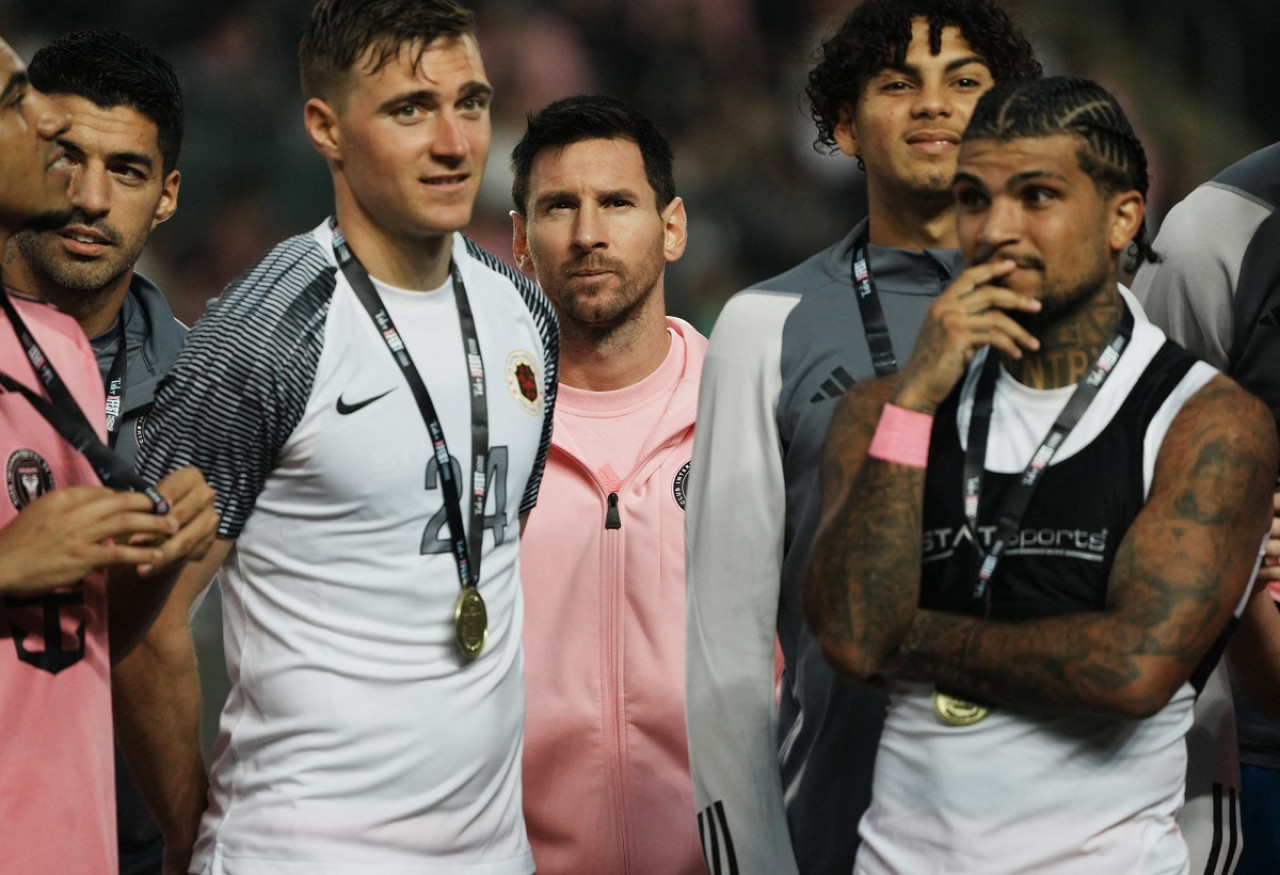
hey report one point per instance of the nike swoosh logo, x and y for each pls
(345, 408)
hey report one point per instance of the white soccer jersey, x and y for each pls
(357, 739)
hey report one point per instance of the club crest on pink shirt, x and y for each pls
(29, 477)
(678, 485)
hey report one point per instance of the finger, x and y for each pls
(1002, 343)
(978, 275)
(191, 504)
(1000, 298)
(187, 493)
(1269, 574)
(996, 323)
(192, 541)
(83, 503)
(104, 555)
(128, 525)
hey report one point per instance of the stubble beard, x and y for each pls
(1059, 303)
(38, 248)
(601, 313)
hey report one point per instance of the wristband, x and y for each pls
(902, 437)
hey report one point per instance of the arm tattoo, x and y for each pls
(863, 581)
(1175, 580)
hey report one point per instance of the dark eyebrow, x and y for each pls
(621, 194)
(17, 79)
(1017, 179)
(427, 95)
(552, 197)
(68, 142)
(964, 62)
(1032, 175)
(131, 158)
(952, 66)
(422, 95)
(476, 89)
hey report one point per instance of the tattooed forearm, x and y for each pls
(864, 571)
(1096, 661)
(1177, 575)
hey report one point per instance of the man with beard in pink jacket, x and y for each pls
(606, 771)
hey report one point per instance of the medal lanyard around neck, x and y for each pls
(873, 321)
(1015, 506)
(64, 414)
(115, 391)
(466, 551)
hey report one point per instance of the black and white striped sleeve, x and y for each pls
(242, 380)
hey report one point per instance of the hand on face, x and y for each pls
(971, 313)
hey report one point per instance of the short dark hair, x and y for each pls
(339, 33)
(111, 69)
(591, 117)
(1112, 155)
(877, 34)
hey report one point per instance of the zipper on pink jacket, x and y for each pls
(613, 681)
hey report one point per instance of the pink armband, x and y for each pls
(902, 437)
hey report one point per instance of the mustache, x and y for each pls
(592, 261)
(80, 219)
(1024, 261)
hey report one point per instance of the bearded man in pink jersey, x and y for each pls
(602, 559)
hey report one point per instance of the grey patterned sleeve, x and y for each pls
(242, 380)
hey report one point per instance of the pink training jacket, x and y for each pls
(606, 765)
(58, 807)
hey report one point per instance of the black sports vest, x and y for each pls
(1060, 559)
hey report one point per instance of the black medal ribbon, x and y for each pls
(873, 322)
(1015, 506)
(115, 391)
(64, 414)
(466, 551)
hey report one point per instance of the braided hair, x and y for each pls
(1112, 155)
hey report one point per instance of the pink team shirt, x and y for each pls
(57, 782)
(606, 772)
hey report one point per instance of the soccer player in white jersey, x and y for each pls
(1040, 530)
(373, 400)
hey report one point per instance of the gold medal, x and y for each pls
(470, 622)
(957, 712)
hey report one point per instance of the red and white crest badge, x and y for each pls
(524, 382)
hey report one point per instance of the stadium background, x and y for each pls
(722, 78)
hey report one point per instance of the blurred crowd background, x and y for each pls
(722, 78)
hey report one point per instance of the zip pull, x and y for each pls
(613, 520)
